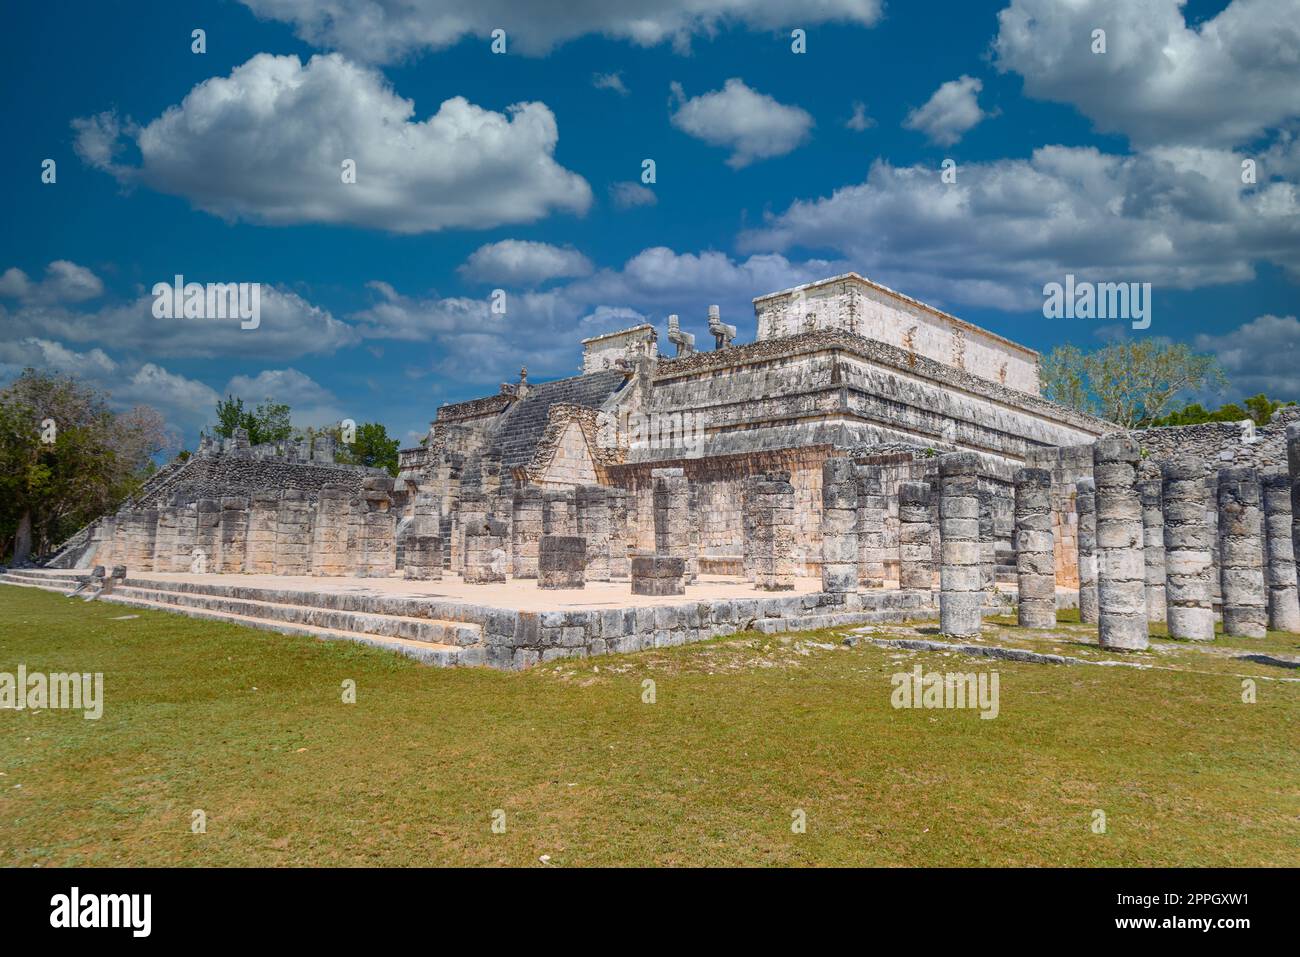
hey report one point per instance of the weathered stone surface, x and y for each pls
(293, 534)
(1241, 553)
(562, 561)
(1279, 549)
(527, 530)
(960, 588)
(1035, 564)
(1153, 539)
(329, 549)
(423, 557)
(593, 524)
(372, 530)
(1189, 567)
(873, 511)
(658, 575)
(673, 526)
(1121, 564)
(486, 559)
(915, 546)
(839, 526)
(619, 562)
(207, 536)
(1293, 471)
(234, 534)
(263, 515)
(772, 499)
(1085, 503)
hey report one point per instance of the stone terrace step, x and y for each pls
(432, 630)
(33, 578)
(382, 631)
(362, 600)
(427, 652)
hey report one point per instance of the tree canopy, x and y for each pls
(269, 422)
(371, 446)
(66, 458)
(1132, 383)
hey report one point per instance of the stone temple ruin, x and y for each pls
(867, 458)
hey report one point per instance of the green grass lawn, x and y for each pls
(250, 727)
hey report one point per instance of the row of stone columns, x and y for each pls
(1177, 532)
(269, 533)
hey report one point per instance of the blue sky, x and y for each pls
(224, 167)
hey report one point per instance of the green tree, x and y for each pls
(1064, 379)
(371, 446)
(269, 422)
(1260, 408)
(1132, 383)
(66, 458)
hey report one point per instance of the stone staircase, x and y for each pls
(380, 621)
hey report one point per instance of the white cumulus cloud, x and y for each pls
(523, 262)
(1160, 80)
(268, 143)
(385, 30)
(752, 125)
(950, 112)
(64, 282)
(1176, 217)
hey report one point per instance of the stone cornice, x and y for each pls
(905, 363)
(473, 408)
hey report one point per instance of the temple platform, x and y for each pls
(510, 624)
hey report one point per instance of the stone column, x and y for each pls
(376, 549)
(472, 516)
(559, 512)
(423, 556)
(672, 517)
(1189, 564)
(526, 530)
(1153, 540)
(658, 575)
(592, 503)
(1212, 519)
(774, 533)
(1293, 471)
(1035, 549)
(1085, 506)
(620, 565)
(164, 540)
(1241, 550)
(1121, 565)
(263, 515)
(485, 551)
(329, 540)
(187, 531)
(915, 549)
(207, 538)
(748, 524)
(839, 526)
(872, 512)
(961, 597)
(561, 561)
(988, 543)
(1283, 608)
(293, 534)
(234, 535)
